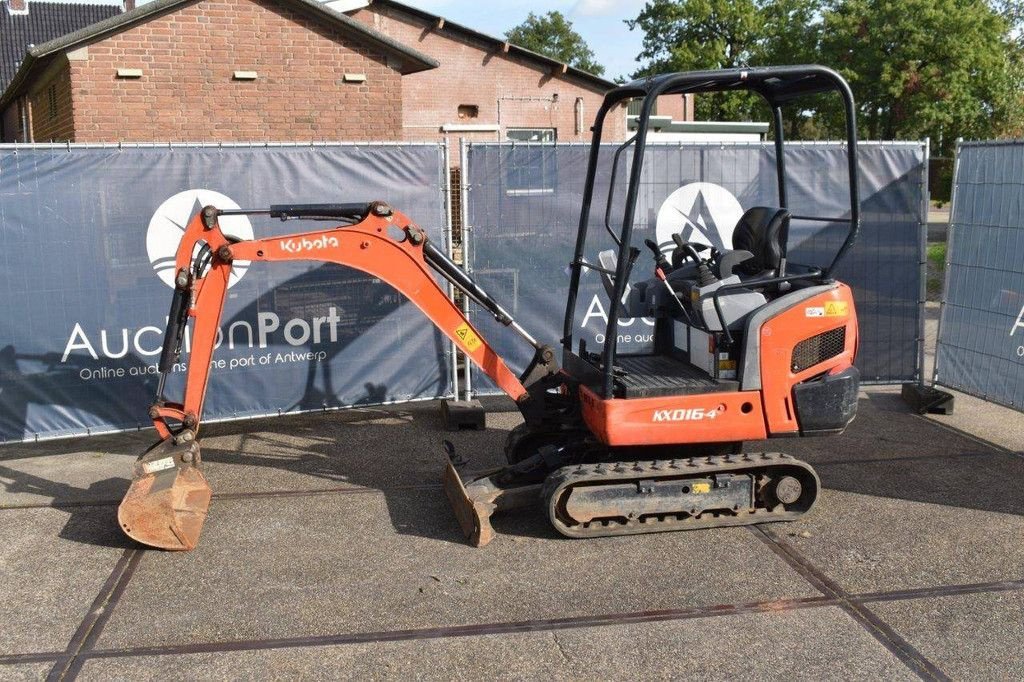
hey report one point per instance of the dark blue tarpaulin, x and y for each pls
(981, 331)
(523, 205)
(87, 240)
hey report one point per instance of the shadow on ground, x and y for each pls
(887, 452)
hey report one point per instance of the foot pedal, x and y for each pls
(463, 415)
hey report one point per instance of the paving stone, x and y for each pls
(869, 543)
(327, 564)
(53, 563)
(24, 672)
(969, 636)
(819, 643)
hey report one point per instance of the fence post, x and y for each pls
(950, 232)
(446, 188)
(466, 263)
(922, 397)
(922, 303)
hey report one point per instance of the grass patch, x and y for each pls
(936, 270)
(937, 255)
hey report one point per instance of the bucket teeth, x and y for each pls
(167, 503)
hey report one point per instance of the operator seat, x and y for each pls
(762, 231)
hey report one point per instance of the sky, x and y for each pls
(600, 22)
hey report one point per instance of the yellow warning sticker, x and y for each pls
(837, 309)
(468, 337)
(701, 487)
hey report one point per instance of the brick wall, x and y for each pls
(679, 107)
(52, 115)
(506, 90)
(187, 92)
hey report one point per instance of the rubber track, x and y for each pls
(560, 481)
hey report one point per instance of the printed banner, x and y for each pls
(524, 205)
(981, 331)
(87, 244)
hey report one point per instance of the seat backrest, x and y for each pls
(761, 231)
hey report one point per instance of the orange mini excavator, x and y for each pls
(747, 346)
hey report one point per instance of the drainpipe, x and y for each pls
(26, 120)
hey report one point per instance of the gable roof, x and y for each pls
(544, 62)
(43, 22)
(39, 56)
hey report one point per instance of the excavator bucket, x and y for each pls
(166, 505)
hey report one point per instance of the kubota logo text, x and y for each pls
(683, 415)
(304, 244)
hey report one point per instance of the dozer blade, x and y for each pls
(485, 493)
(474, 515)
(166, 505)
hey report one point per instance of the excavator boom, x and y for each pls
(167, 502)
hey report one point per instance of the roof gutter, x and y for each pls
(557, 68)
(11, 92)
(122, 22)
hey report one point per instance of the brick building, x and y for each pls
(20, 28)
(287, 70)
(486, 88)
(215, 70)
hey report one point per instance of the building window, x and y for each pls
(468, 111)
(531, 168)
(532, 134)
(52, 96)
(636, 104)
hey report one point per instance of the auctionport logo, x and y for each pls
(168, 223)
(1018, 324)
(700, 212)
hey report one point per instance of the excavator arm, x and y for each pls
(167, 502)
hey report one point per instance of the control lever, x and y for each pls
(661, 269)
(659, 258)
(704, 274)
(684, 249)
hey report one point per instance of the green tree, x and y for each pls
(937, 68)
(699, 34)
(682, 35)
(553, 35)
(791, 34)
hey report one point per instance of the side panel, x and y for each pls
(675, 420)
(780, 335)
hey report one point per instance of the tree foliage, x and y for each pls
(937, 68)
(700, 34)
(552, 35)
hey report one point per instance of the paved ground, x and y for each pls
(330, 552)
(938, 224)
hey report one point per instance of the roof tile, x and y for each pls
(43, 22)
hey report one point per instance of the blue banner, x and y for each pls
(87, 244)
